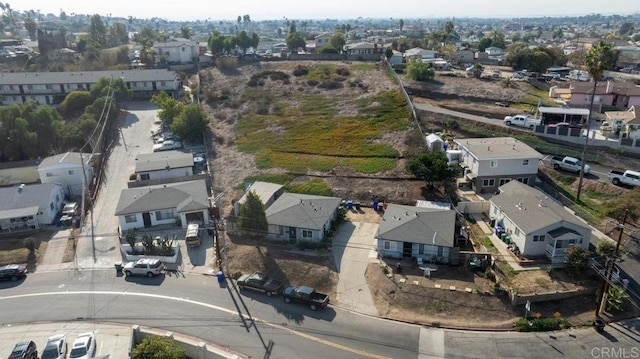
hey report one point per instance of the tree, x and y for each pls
(419, 71)
(190, 122)
(626, 29)
(75, 103)
(97, 32)
(170, 108)
(337, 41)
(606, 249)
(295, 41)
(576, 257)
(185, 32)
(30, 26)
(158, 347)
(599, 58)
(244, 41)
(216, 43)
(252, 218)
(118, 34)
(401, 24)
(388, 52)
(484, 43)
(616, 299)
(113, 87)
(432, 167)
(246, 19)
(477, 70)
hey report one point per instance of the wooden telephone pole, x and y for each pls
(610, 267)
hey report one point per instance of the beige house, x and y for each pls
(627, 121)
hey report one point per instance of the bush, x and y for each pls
(312, 82)
(330, 85)
(540, 324)
(300, 70)
(30, 244)
(133, 177)
(343, 71)
(158, 347)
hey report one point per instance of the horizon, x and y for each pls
(331, 10)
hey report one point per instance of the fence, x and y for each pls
(406, 96)
(473, 207)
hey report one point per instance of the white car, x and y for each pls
(166, 146)
(145, 266)
(84, 347)
(56, 347)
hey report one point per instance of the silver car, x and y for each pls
(56, 347)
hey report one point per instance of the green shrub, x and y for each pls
(540, 324)
(300, 70)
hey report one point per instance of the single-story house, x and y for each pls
(165, 164)
(267, 192)
(463, 56)
(420, 54)
(67, 169)
(494, 51)
(301, 217)
(186, 202)
(491, 162)
(553, 231)
(627, 121)
(426, 231)
(29, 206)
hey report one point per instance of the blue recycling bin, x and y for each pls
(220, 276)
(349, 205)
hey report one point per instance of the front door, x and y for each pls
(292, 233)
(406, 249)
(146, 219)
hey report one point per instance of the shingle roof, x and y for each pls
(34, 195)
(81, 77)
(302, 210)
(264, 191)
(418, 225)
(529, 208)
(498, 148)
(67, 157)
(163, 160)
(183, 196)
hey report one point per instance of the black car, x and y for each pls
(261, 283)
(12, 272)
(24, 350)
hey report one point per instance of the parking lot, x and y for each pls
(112, 341)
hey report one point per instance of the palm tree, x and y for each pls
(598, 59)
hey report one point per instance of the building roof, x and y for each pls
(629, 117)
(164, 160)
(69, 158)
(580, 87)
(497, 148)
(564, 110)
(302, 210)
(418, 225)
(264, 191)
(47, 78)
(24, 200)
(521, 203)
(361, 45)
(183, 196)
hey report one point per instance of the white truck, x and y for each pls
(566, 163)
(522, 121)
(628, 177)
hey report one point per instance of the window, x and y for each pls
(48, 86)
(49, 174)
(307, 233)
(493, 164)
(130, 218)
(57, 198)
(30, 87)
(71, 172)
(183, 49)
(387, 245)
(504, 180)
(524, 180)
(421, 248)
(540, 238)
(488, 182)
(517, 231)
(525, 162)
(166, 214)
(51, 206)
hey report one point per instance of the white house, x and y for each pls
(494, 51)
(322, 40)
(420, 54)
(186, 202)
(161, 165)
(176, 51)
(537, 224)
(491, 162)
(301, 217)
(426, 232)
(29, 206)
(67, 170)
(267, 192)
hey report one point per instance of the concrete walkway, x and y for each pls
(54, 254)
(354, 249)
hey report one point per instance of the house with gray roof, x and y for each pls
(67, 170)
(27, 207)
(538, 225)
(50, 88)
(165, 164)
(427, 231)
(489, 163)
(186, 202)
(267, 192)
(301, 217)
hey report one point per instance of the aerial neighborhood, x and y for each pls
(332, 181)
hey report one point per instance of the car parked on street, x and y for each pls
(84, 347)
(25, 349)
(167, 146)
(12, 272)
(261, 283)
(56, 347)
(144, 267)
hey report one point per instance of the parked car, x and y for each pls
(56, 347)
(70, 209)
(628, 177)
(305, 295)
(25, 349)
(84, 347)
(12, 272)
(192, 237)
(566, 163)
(145, 266)
(261, 283)
(167, 145)
(522, 121)
(564, 125)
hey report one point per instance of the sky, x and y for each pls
(326, 9)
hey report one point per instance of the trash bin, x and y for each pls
(118, 266)
(598, 324)
(220, 276)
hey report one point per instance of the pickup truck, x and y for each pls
(522, 121)
(628, 177)
(260, 282)
(305, 295)
(566, 163)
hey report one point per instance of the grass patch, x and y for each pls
(315, 186)
(14, 251)
(543, 283)
(282, 178)
(363, 67)
(600, 196)
(487, 243)
(566, 180)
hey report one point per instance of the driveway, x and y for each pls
(353, 249)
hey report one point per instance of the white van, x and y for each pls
(192, 238)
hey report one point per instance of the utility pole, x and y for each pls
(611, 264)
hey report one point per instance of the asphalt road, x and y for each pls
(196, 305)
